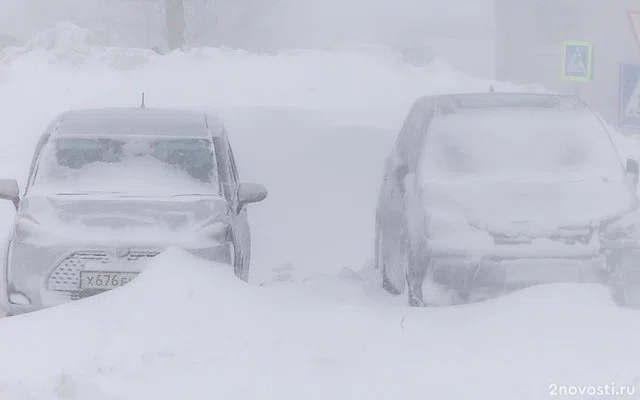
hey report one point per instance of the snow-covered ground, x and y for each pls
(314, 127)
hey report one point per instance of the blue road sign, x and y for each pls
(577, 61)
(630, 95)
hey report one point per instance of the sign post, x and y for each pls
(577, 61)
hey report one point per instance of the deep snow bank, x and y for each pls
(187, 329)
(324, 80)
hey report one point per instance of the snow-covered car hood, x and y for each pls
(532, 208)
(122, 217)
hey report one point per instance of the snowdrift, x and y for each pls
(314, 127)
(187, 329)
(347, 79)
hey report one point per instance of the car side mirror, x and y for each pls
(250, 193)
(632, 171)
(9, 190)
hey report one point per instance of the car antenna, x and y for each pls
(142, 105)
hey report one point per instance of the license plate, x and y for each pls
(105, 280)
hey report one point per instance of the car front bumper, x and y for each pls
(505, 273)
(506, 266)
(41, 277)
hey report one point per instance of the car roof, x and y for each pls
(137, 121)
(452, 103)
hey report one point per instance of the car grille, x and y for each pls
(66, 276)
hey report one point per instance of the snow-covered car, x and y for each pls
(109, 189)
(485, 193)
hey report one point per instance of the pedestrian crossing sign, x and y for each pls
(577, 61)
(630, 95)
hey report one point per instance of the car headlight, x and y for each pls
(26, 226)
(217, 230)
(445, 225)
(621, 226)
(579, 234)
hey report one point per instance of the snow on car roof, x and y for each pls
(452, 103)
(137, 121)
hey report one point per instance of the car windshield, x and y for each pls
(135, 165)
(519, 145)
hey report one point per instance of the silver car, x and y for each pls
(108, 190)
(491, 192)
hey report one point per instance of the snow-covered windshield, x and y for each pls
(520, 145)
(135, 165)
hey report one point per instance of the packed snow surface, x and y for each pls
(187, 329)
(312, 323)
